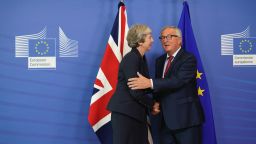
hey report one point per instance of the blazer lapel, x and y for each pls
(174, 62)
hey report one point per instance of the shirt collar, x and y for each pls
(174, 53)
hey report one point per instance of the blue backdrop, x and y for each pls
(51, 106)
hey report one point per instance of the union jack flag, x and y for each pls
(105, 84)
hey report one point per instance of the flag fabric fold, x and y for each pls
(105, 84)
(189, 43)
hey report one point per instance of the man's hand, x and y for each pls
(140, 82)
(156, 108)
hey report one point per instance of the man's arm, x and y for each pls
(139, 82)
(185, 73)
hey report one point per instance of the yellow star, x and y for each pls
(200, 91)
(198, 75)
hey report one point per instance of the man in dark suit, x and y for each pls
(176, 89)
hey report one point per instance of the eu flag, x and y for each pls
(189, 43)
(245, 46)
(42, 47)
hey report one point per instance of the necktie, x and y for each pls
(168, 64)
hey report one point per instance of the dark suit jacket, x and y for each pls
(133, 103)
(177, 92)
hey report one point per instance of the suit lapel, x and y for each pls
(174, 62)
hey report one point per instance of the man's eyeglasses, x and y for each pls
(168, 37)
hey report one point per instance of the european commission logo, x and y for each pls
(241, 46)
(41, 51)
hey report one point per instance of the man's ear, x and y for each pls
(180, 42)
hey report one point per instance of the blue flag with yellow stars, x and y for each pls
(189, 43)
(42, 48)
(244, 46)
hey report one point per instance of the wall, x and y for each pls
(51, 106)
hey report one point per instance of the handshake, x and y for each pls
(156, 108)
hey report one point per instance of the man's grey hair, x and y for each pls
(178, 31)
